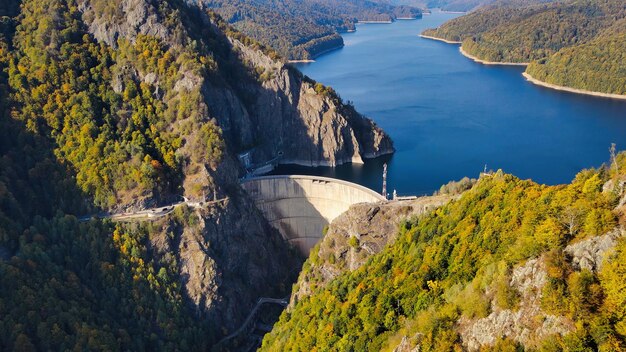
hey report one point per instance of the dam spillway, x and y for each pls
(299, 207)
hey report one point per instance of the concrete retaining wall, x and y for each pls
(301, 206)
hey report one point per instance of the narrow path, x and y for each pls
(247, 324)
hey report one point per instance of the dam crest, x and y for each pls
(300, 207)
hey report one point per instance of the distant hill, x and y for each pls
(304, 29)
(457, 5)
(580, 39)
(454, 5)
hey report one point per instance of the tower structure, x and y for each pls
(384, 194)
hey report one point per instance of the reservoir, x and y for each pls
(449, 116)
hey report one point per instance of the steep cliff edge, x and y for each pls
(305, 122)
(227, 257)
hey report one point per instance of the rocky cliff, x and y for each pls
(228, 257)
(525, 323)
(303, 121)
(528, 321)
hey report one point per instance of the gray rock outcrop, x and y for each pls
(590, 253)
(357, 234)
(227, 260)
(406, 346)
(527, 325)
(288, 116)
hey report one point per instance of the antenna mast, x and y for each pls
(385, 180)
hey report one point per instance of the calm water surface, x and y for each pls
(449, 116)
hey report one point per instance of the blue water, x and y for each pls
(449, 116)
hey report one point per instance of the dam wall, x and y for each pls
(299, 207)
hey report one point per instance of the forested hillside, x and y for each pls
(69, 285)
(111, 106)
(599, 65)
(511, 265)
(486, 19)
(304, 29)
(536, 32)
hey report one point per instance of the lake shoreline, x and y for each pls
(527, 76)
(537, 82)
(469, 56)
(439, 39)
(374, 22)
(491, 63)
(307, 61)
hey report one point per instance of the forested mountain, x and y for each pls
(509, 266)
(302, 29)
(534, 33)
(110, 106)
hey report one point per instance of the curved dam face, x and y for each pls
(301, 206)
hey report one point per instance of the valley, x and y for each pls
(134, 214)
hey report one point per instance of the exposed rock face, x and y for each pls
(528, 324)
(288, 116)
(590, 253)
(130, 18)
(406, 346)
(362, 231)
(226, 261)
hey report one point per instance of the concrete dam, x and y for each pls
(299, 207)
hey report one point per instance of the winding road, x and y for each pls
(151, 213)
